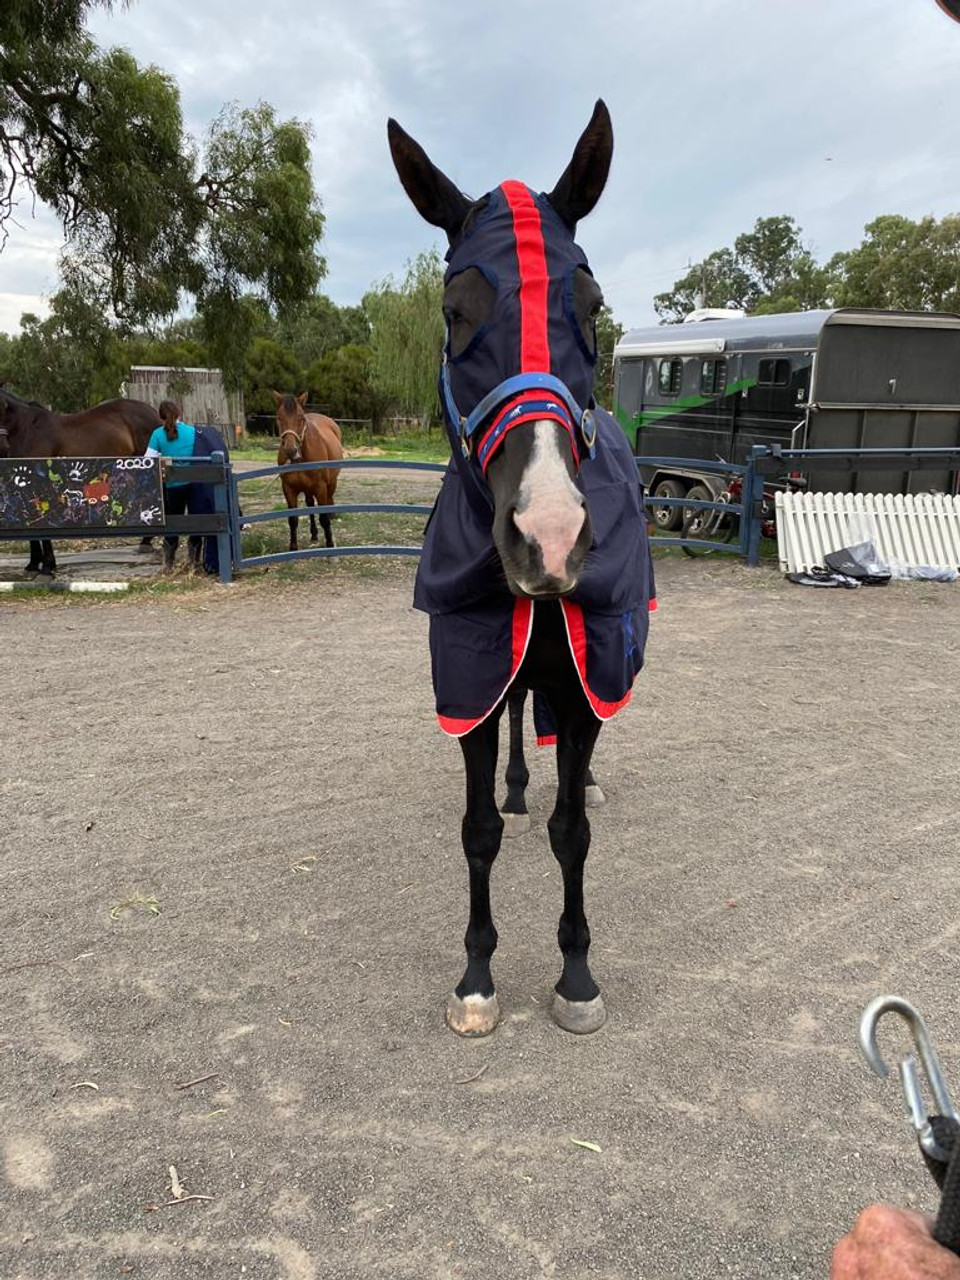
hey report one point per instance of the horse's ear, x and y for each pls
(586, 175)
(278, 398)
(302, 399)
(434, 196)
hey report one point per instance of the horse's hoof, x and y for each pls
(515, 824)
(145, 549)
(594, 797)
(30, 574)
(473, 1016)
(582, 1017)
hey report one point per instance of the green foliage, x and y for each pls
(768, 269)
(151, 217)
(341, 384)
(901, 264)
(407, 336)
(269, 367)
(609, 333)
(320, 326)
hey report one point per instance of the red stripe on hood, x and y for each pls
(534, 278)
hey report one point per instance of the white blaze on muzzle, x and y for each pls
(551, 510)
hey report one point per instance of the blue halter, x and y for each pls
(581, 421)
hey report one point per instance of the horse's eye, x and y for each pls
(596, 308)
(453, 316)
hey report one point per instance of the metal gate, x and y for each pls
(239, 522)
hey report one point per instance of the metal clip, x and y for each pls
(909, 1075)
(466, 442)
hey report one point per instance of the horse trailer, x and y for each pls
(840, 378)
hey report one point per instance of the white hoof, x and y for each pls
(582, 1017)
(594, 796)
(515, 824)
(474, 1015)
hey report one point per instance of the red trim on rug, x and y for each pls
(653, 606)
(534, 278)
(548, 740)
(577, 635)
(521, 630)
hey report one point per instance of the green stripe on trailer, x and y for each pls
(646, 417)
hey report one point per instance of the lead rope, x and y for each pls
(938, 1135)
(946, 1230)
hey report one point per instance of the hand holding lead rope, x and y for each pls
(938, 1134)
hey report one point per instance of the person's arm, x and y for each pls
(892, 1244)
(151, 450)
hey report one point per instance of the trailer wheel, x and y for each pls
(669, 519)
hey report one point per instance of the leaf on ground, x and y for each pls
(303, 864)
(590, 1146)
(145, 902)
(177, 1189)
(86, 1084)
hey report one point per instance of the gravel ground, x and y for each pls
(779, 845)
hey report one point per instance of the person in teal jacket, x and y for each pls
(174, 439)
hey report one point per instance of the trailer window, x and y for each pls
(671, 376)
(713, 377)
(774, 373)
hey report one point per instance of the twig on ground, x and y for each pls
(470, 1079)
(166, 1204)
(188, 1084)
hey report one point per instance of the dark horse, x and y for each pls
(113, 429)
(535, 570)
(307, 437)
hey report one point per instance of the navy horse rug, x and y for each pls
(479, 629)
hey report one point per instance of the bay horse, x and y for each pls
(307, 437)
(535, 570)
(111, 429)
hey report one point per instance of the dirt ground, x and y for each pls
(779, 845)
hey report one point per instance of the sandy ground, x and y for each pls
(779, 845)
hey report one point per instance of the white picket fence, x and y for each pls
(916, 528)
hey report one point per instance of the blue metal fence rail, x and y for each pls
(735, 510)
(241, 561)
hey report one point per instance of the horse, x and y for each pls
(307, 437)
(114, 428)
(535, 569)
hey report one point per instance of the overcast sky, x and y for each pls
(833, 111)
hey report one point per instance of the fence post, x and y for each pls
(752, 495)
(222, 507)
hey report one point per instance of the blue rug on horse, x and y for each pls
(479, 631)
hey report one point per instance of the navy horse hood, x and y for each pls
(479, 630)
(528, 255)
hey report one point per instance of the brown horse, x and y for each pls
(113, 429)
(307, 437)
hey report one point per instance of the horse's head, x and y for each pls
(291, 424)
(517, 379)
(16, 417)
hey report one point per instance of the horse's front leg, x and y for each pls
(311, 502)
(292, 499)
(49, 560)
(473, 1009)
(577, 1004)
(36, 556)
(516, 819)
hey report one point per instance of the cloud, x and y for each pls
(723, 112)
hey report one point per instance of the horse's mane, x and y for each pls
(24, 404)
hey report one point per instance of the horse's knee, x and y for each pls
(569, 838)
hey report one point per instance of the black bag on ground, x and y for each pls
(862, 562)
